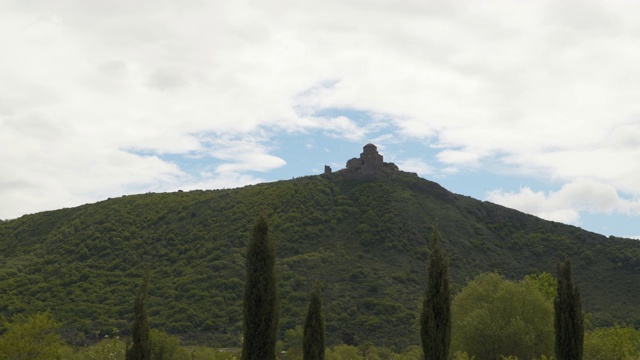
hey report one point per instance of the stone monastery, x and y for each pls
(370, 162)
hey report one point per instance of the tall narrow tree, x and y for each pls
(260, 299)
(568, 322)
(313, 333)
(140, 347)
(435, 319)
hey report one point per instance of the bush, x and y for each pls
(31, 337)
(493, 316)
(618, 342)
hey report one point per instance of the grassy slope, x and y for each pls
(366, 240)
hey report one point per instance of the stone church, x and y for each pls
(370, 162)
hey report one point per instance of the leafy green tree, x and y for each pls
(110, 348)
(493, 316)
(545, 283)
(435, 319)
(382, 353)
(344, 352)
(461, 355)
(261, 306)
(568, 321)
(164, 346)
(205, 353)
(313, 337)
(613, 343)
(413, 352)
(292, 343)
(32, 337)
(140, 348)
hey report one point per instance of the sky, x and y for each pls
(534, 105)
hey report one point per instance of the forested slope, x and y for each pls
(365, 239)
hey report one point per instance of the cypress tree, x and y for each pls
(435, 318)
(260, 299)
(140, 348)
(568, 324)
(313, 333)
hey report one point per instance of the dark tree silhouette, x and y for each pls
(435, 319)
(313, 335)
(261, 308)
(140, 347)
(568, 322)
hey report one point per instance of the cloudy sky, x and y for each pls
(531, 104)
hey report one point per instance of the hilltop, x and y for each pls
(363, 231)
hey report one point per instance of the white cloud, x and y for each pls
(565, 205)
(548, 88)
(341, 127)
(459, 157)
(252, 162)
(415, 165)
(166, 79)
(535, 203)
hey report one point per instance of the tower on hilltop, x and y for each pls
(370, 162)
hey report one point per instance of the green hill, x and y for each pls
(363, 236)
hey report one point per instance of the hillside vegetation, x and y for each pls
(365, 239)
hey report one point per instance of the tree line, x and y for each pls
(261, 307)
(261, 310)
(261, 314)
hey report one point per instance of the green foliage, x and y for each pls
(367, 351)
(140, 348)
(110, 348)
(613, 343)
(81, 263)
(624, 254)
(260, 296)
(204, 353)
(435, 318)
(493, 316)
(32, 337)
(164, 346)
(545, 283)
(568, 322)
(344, 352)
(461, 355)
(292, 343)
(313, 336)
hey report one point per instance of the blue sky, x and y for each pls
(532, 105)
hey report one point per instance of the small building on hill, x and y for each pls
(369, 162)
(369, 166)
